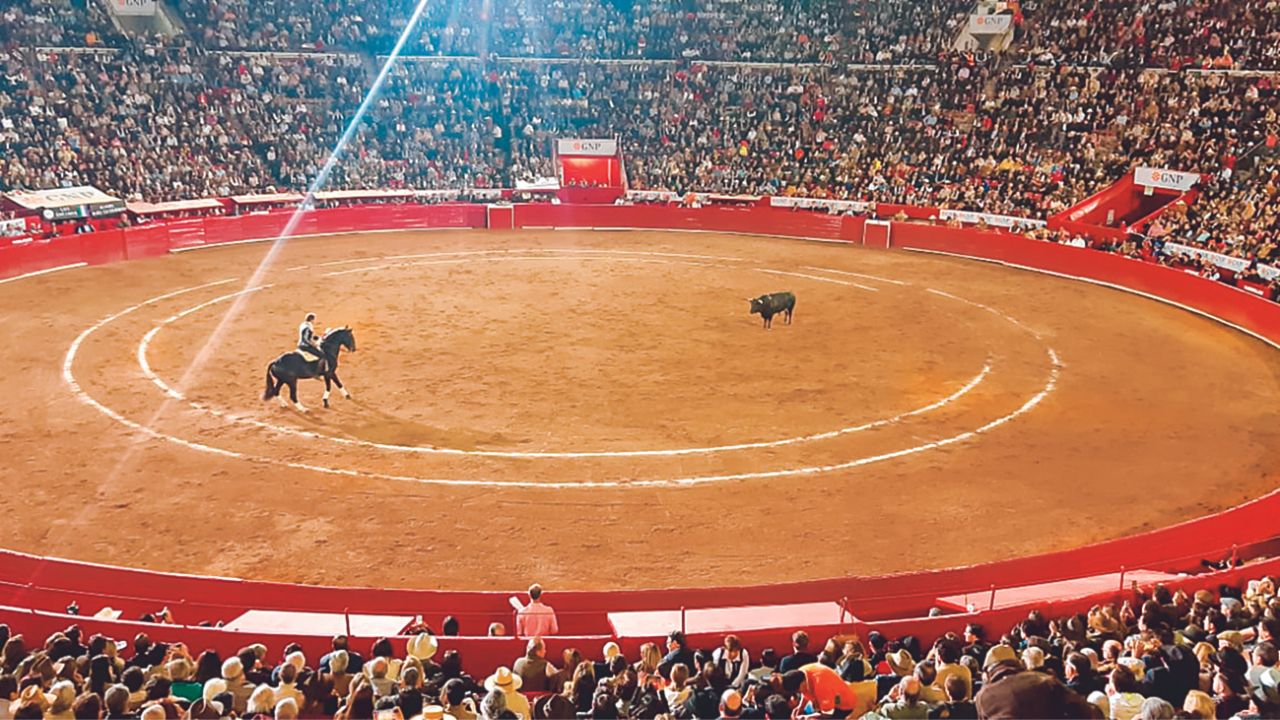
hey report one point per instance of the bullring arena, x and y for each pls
(503, 379)
(578, 394)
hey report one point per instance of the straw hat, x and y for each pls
(503, 680)
(435, 712)
(999, 654)
(901, 663)
(423, 646)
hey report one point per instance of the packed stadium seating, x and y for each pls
(977, 133)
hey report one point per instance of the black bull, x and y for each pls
(769, 305)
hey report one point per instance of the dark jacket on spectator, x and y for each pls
(795, 661)
(1014, 693)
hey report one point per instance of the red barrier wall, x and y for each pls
(1219, 300)
(28, 582)
(757, 220)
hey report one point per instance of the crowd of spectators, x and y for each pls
(1026, 136)
(825, 31)
(1173, 34)
(1170, 655)
(58, 23)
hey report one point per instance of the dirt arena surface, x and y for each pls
(598, 410)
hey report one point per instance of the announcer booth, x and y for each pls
(590, 171)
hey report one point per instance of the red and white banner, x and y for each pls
(134, 7)
(1232, 263)
(652, 196)
(1167, 179)
(1004, 221)
(990, 24)
(593, 148)
(832, 206)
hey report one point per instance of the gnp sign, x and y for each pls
(1167, 179)
(990, 24)
(595, 148)
(133, 7)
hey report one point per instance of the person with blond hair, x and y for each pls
(649, 660)
(1199, 704)
(677, 691)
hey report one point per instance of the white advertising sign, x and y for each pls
(831, 206)
(595, 148)
(1167, 179)
(1234, 264)
(1004, 221)
(990, 24)
(133, 7)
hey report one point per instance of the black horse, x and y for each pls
(291, 367)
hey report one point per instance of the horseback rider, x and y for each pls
(308, 341)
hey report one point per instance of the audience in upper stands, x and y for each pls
(1071, 107)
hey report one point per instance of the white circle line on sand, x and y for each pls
(69, 378)
(690, 481)
(151, 334)
(147, 371)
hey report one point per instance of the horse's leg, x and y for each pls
(293, 395)
(326, 390)
(279, 392)
(338, 382)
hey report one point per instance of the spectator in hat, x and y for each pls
(1010, 692)
(536, 619)
(508, 683)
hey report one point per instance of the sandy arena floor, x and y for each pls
(599, 410)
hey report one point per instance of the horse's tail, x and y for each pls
(271, 390)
